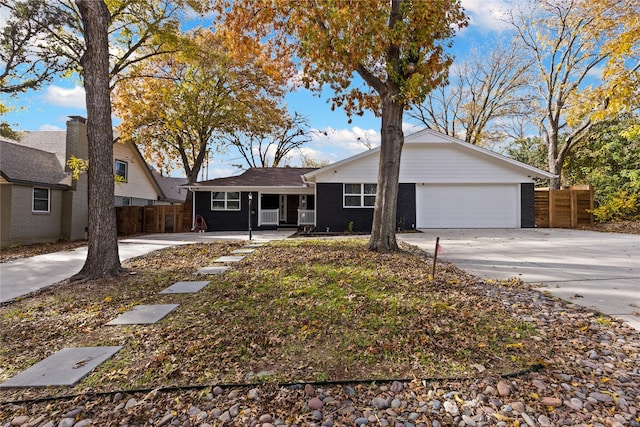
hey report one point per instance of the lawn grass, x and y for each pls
(292, 311)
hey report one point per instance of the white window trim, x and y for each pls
(33, 199)
(126, 169)
(226, 201)
(361, 194)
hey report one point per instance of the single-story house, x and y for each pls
(444, 183)
(41, 202)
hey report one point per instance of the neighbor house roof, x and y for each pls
(51, 141)
(26, 165)
(260, 177)
(170, 187)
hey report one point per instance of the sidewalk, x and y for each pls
(27, 275)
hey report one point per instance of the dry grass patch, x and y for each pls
(293, 311)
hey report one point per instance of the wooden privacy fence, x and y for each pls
(565, 208)
(153, 219)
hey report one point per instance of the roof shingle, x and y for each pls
(28, 165)
(262, 177)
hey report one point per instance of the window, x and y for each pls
(360, 195)
(225, 201)
(126, 201)
(40, 200)
(120, 170)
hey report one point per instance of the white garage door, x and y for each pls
(468, 206)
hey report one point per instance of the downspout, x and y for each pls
(193, 210)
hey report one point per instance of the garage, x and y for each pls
(468, 205)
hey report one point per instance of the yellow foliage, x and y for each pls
(332, 45)
(517, 345)
(77, 166)
(171, 106)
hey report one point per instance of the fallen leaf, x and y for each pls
(80, 363)
(480, 368)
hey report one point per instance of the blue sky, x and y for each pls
(49, 108)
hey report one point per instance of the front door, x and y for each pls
(293, 202)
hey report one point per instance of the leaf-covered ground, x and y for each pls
(292, 311)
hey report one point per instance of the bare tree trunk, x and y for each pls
(552, 158)
(102, 257)
(383, 232)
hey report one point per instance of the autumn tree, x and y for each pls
(485, 91)
(269, 144)
(20, 70)
(567, 46)
(20, 38)
(617, 23)
(395, 48)
(134, 30)
(609, 159)
(177, 106)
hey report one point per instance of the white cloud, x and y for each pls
(352, 140)
(409, 128)
(487, 15)
(63, 97)
(597, 72)
(315, 154)
(4, 16)
(50, 127)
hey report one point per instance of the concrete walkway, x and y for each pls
(596, 270)
(27, 275)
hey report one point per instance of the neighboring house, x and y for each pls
(41, 202)
(136, 183)
(33, 193)
(444, 183)
(171, 188)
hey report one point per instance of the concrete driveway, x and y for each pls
(596, 270)
(24, 276)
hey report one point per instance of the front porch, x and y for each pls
(286, 210)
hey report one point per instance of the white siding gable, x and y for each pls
(361, 170)
(446, 163)
(431, 157)
(139, 184)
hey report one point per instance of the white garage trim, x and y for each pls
(468, 205)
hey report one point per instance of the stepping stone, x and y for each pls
(212, 270)
(184, 288)
(66, 367)
(243, 251)
(144, 314)
(229, 258)
(253, 245)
